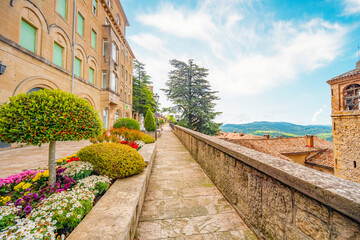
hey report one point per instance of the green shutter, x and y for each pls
(80, 25)
(58, 55)
(77, 68)
(61, 8)
(93, 39)
(95, 4)
(27, 36)
(91, 75)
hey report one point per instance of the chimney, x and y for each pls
(358, 64)
(267, 136)
(234, 131)
(309, 140)
(241, 134)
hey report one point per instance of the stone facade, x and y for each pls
(28, 69)
(346, 125)
(278, 199)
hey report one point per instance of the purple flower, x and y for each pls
(35, 196)
(18, 202)
(27, 209)
(67, 185)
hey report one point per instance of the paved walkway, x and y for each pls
(182, 203)
(31, 157)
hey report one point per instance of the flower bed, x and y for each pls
(32, 209)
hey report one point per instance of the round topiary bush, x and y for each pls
(115, 160)
(127, 122)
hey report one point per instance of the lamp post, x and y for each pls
(156, 98)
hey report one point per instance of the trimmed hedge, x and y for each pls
(113, 159)
(127, 122)
(149, 121)
(117, 134)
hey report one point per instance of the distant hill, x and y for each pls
(284, 129)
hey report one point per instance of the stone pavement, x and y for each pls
(31, 157)
(182, 203)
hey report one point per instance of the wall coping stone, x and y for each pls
(117, 213)
(338, 193)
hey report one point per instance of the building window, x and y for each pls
(114, 52)
(34, 90)
(105, 47)
(80, 25)
(93, 39)
(106, 21)
(122, 71)
(117, 20)
(352, 96)
(105, 117)
(27, 36)
(122, 49)
(108, 2)
(130, 60)
(94, 7)
(104, 79)
(58, 55)
(61, 7)
(77, 67)
(91, 75)
(126, 75)
(113, 82)
(116, 115)
(129, 78)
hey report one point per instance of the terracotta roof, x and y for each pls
(321, 154)
(240, 135)
(351, 73)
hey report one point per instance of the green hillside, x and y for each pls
(276, 129)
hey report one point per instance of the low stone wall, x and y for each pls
(277, 199)
(117, 213)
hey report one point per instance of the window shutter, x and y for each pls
(91, 75)
(80, 25)
(58, 55)
(27, 36)
(77, 68)
(61, 8)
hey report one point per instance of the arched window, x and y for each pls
(352, 96)
(116, 115)
(105, 117)
(35, 89)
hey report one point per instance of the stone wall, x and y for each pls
(276, 198)
(346, 133)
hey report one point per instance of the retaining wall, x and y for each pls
(277, 199)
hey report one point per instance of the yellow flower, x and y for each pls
(60, 160)
(26, 193)
(26, 186)
(19, 186)
(37, 177)
(74, 155)
(4, 200)
(45, 173)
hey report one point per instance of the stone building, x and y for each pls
(345, 94)
(36, 44)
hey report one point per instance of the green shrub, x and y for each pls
(48, 116)
(113, 159)
(149, 121)
(146, 138)
(128, 123)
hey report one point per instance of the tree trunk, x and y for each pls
(52, 170)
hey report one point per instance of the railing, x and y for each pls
(172, 126)
(276, 198)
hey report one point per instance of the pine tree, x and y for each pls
(192, 96)
(149, 122)
(142, 96)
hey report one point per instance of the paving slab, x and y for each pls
(15, 160)
(181, 202)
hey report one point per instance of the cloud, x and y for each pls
(351, 7)
(317, 113)
(246, 53)
(148, 41)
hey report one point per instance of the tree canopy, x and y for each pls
(190, 92)
(142, 97)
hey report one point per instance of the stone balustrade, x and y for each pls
(276, 198)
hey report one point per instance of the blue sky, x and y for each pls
(269, 59)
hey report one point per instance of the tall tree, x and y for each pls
(140, 73)
(192, 96)
(142, 97)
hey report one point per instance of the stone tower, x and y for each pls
(345, 96)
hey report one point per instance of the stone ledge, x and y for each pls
(117, 213)
(340, 194)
